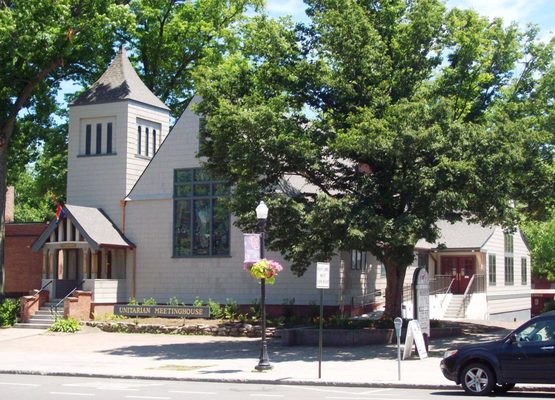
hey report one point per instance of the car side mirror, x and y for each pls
(512, 338)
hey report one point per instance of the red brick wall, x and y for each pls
(23, 268)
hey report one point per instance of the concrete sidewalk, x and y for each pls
(92, 352)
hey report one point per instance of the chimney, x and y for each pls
(9, 211)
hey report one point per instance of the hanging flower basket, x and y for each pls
(264, 269)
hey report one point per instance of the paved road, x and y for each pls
(32, 387)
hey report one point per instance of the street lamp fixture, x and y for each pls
(264, 361)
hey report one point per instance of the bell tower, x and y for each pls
(115, 128)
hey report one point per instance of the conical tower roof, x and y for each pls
(118, 83)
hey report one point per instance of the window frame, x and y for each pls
(190, 198)
(492, 269)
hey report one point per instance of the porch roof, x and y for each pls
(459, 235)
(95, 227)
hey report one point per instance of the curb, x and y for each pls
(390, 384)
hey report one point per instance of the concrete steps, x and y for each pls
(43, 318)
(455, 309)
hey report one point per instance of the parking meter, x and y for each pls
(398, 322)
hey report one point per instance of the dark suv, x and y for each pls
(526, 355)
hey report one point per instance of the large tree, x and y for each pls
(365, 127)
(43, 42)
(172, 38)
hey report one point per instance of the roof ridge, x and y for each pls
(119, 82)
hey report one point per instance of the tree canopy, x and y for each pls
(364, 127)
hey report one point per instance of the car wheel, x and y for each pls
(502, 388)
(477, 379)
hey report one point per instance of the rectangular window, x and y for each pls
(109, 138)
(88, 139)
(139, 139)
(509, 271)
(524, 270)
(98, 138)
(509, 259)
(492, 269)
(358, 260)
(201, 220)
(146, 142)
(153, 142)
(509, 242)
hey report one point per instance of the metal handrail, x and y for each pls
(55, 311)
(476, 285)
(44, 286)
(447, 292)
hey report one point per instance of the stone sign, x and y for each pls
(162, 311)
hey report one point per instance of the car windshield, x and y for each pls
(539, 331)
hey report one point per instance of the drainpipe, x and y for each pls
(123, 203)
(134, 280)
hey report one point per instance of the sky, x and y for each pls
(539, 12)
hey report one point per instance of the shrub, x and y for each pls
(9, 310)
(231, 309)
(70, 325)
(173, 301)
(149, 302)
(215, 309)
(254, 310)
(198, 302)
(548, 306)
(133, 302)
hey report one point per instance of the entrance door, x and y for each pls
(461, 270)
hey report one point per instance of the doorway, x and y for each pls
(461, 270)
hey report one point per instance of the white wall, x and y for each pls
(502, 299)
(149, 224)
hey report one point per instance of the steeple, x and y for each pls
(119, 82)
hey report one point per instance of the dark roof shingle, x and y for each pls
(118, 83)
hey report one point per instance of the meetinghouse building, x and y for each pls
(143, 220)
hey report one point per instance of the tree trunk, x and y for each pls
(395, 276)
(3, 170)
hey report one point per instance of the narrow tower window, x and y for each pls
(146, 142)
(88, 134)
(109, 138)
(139, 139)
(98, 138)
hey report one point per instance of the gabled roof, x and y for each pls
(459, 235)
(118, 83)
(95, 227)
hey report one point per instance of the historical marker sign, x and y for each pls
(162, 311)
(421, 284)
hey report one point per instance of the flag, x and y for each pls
(60, 213)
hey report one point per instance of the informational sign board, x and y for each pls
(421, 283)
(162, 311)
(322, 275)
(414, 335)
(252, 247)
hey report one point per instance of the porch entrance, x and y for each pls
(460, 269)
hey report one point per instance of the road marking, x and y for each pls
(344, 392)
(19, 384)
(147, 397)
(186, 392)
(377, 391)
(72, 394)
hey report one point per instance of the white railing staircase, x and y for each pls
(455, 309)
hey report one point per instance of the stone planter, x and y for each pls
(351, 337)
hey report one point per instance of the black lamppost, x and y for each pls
(264, 361)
